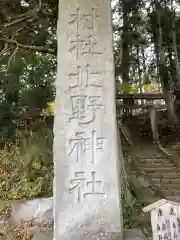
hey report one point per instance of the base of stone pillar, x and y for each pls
(107, 236)
(43, 236)
(129, 234)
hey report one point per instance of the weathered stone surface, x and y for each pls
(133, 234)
(43, 236)
(36, 216)
(129, 234)
(86, 187)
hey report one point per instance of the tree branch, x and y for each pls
(29, 47)
(19, 20)
(25, 26)
(13, 54)
(24, 16)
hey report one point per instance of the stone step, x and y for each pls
(148, 150)
(166, 186)
(173, 198)
(157, 165)
(176, 146)
(160, 175)
(160, 169)
(154, 161)
(150, 156)
(171, 192)
(165, 181)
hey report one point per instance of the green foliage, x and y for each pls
(27, 79)
(27, 168)
(128, 88)
(132, 214)
(27, 82)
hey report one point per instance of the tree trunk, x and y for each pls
(144, 66)
(163, 71)
(154, 125)
(139, 73)
(125, 53)
(125, 44)
(176, 61)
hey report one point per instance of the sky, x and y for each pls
(113, 2)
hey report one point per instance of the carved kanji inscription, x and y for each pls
(85, 143)
(77, 184)
(81, 145)
(84, 78)
(84, 20)
(82, 185)
(91, 186)
(82, 105)
(83, 46)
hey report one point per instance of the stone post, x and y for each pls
(86, 187)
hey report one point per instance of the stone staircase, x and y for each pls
(158, 169)
(155, 171)
(163, 173)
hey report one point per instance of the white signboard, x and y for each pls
(165, 219)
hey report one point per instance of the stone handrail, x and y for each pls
(148, 96)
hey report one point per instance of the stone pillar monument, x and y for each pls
(86, 189)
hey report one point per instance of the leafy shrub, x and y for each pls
(27, 169)
(132, 214)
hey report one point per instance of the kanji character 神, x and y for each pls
(81, 145)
